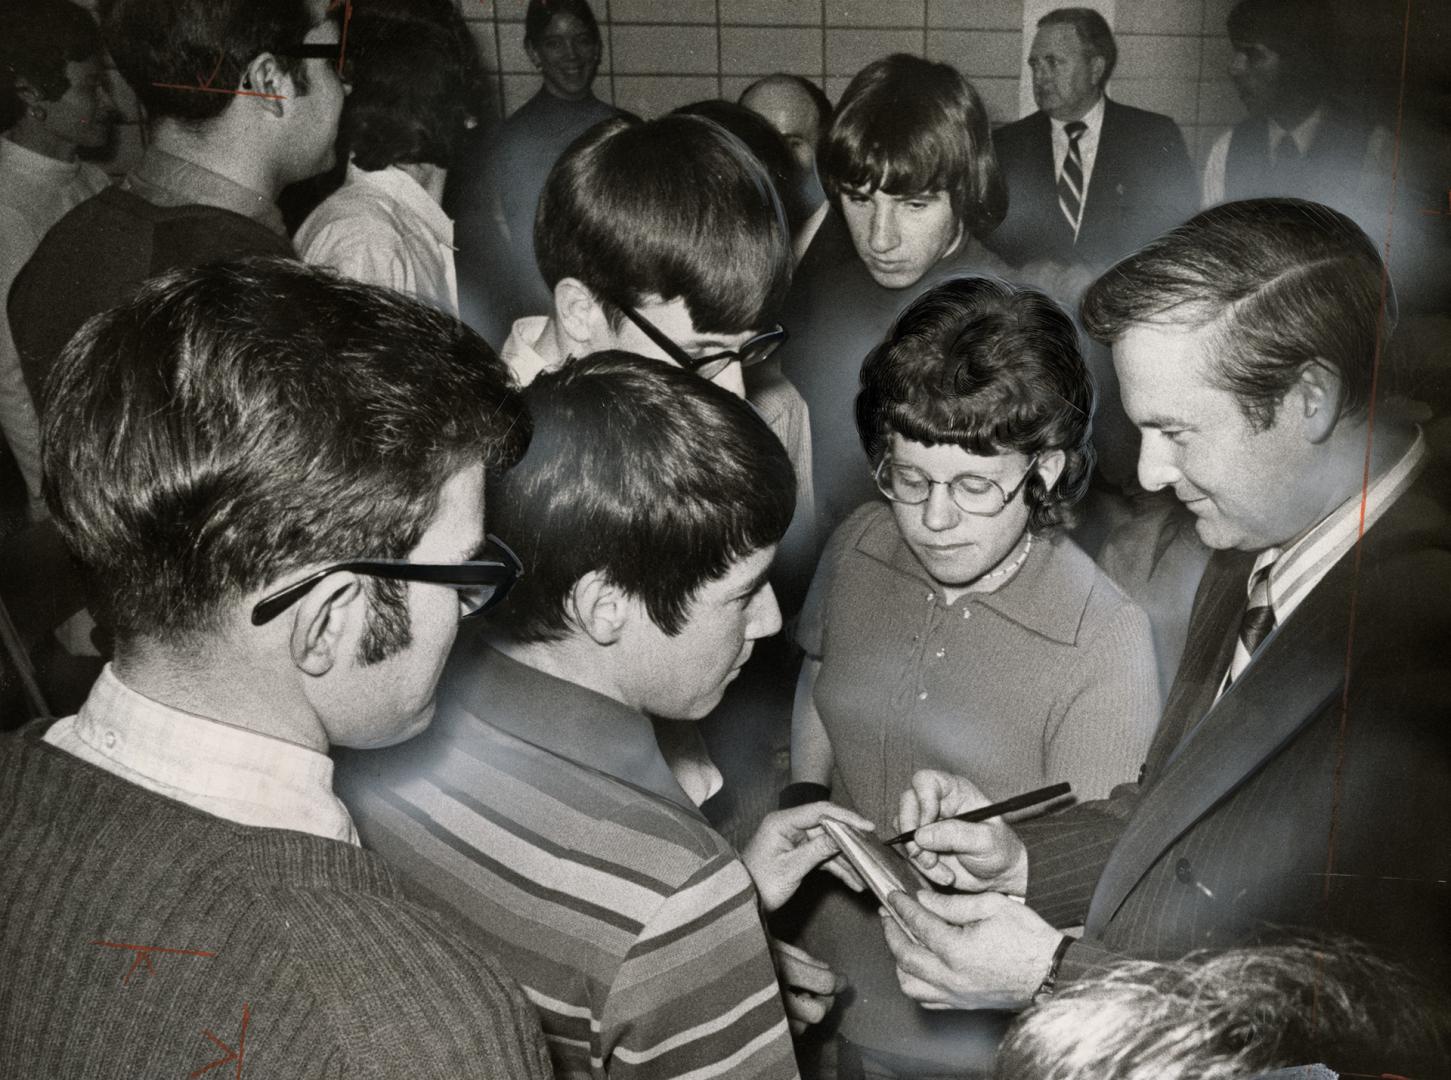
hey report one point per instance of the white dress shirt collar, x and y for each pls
(1303, 133)
(230, 772)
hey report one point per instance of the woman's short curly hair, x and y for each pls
(417, 83)
(990, 367)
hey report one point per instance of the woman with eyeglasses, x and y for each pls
(954, 626)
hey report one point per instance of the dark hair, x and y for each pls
(644, 472)
(180, 42)
(991, 368)
(541, 12)
(673, 207)
(1283, 281)
(40, 38)
(767, 144)
(234, 422)
(906, 125)
(416, 83)
(819, 100)
(1232, 1014)
(1093, 31)
(1294, 29)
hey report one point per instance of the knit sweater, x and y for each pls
(97, 255)
(142, 938)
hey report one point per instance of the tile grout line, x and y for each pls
(610, 37)
(503, 109)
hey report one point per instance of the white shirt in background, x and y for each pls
(383, 228)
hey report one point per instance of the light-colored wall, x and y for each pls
(660, 54)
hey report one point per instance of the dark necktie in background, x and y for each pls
(1256, 622)
(1070, 181)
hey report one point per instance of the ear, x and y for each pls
(577, 314)
(328, 622)
(1050, 467)
(1314, 400)
(533, 54)
(599, 607)
(264, 76)
(1097, 65)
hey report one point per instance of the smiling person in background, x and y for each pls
(956, 625)
(414, 83)
(51, 75)
(908, 165)
(495, 196)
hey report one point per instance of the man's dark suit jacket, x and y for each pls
(1142, 184)
(1315, 794)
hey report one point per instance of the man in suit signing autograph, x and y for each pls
(1088, 179)
(1299, 777)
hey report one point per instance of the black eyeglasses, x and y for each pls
(753, 351)
(973, 494)
(328, 50)
(480, 583)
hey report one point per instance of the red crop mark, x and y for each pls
(205, 85)
(347, 6)
(143, 956)
(238, 1055)
(220, 90)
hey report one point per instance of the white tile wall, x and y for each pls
(662, 53)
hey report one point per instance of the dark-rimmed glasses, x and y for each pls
(971, 493)
(752, 352)
(320, 50)
(480, 583)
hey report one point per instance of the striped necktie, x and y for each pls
(1070, 181)
(1256, 622)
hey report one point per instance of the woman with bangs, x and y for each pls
(909, 169)
(953, 626)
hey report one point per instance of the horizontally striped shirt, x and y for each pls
(546, 816)
(1301, 566)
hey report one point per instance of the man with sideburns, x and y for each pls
(273, 482)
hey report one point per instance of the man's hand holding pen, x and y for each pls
(980, 857)
(980, 951)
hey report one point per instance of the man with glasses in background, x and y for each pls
(667, 239)
(242, 98)
(273, 481)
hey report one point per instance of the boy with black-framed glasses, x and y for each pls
(273, 481)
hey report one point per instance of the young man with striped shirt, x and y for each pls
(542, 807)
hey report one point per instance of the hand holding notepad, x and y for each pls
(884, 870)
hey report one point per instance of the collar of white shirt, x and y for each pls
(410, 195)
(1303, 133)
(236, 774)
(1087, 142)
(1306, 561)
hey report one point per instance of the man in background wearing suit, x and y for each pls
(1296, 140)
(1088, 179)
(1300, 775)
